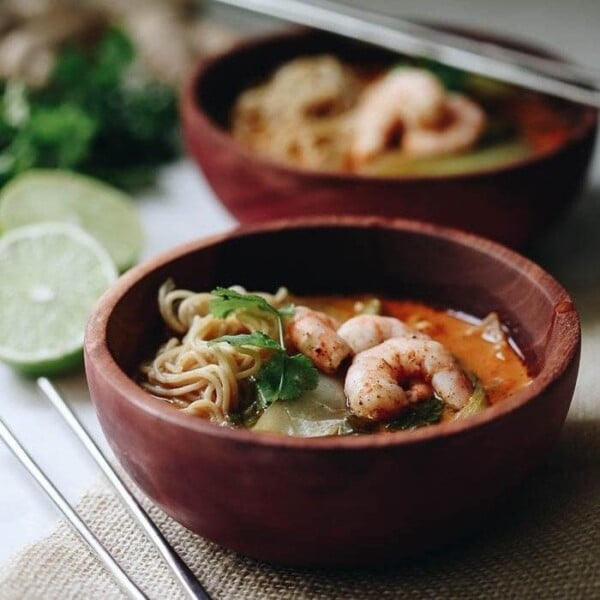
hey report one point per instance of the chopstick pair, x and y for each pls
(546, 75)
(190, 585)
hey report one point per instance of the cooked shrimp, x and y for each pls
(384, 380)
(365, 331)
(402, 99)
(314, 334)
(465, 123)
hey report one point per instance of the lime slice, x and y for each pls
(103, 211)
(51, 275)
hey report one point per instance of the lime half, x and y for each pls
(51, 274)
(103, 211)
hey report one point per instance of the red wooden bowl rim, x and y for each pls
(98, 354)
(196, 119)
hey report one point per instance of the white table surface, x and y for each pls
(182, 207)
(179, 209)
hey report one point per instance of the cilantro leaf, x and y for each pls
(299, 375)
(228, 301)
(258, 339)
(285, 378)
(423, 413)
(269, 380)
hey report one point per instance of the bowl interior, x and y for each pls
(448, 269)
(221, 80)
(252, 63)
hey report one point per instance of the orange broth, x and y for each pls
(498, 366)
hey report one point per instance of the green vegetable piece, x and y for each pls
(61, 135)
(421, 414)
(258, 339)
(318, 412)
(286, 311)
(476, 403)
(115, 54)
(488, 89)
(285, 378)
(69, 76)
(92, 117)
(485, 157)
(372, 306)
(454, 80)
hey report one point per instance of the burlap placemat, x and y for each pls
(543, 543)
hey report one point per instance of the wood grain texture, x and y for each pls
(509, 204)
(342, 500)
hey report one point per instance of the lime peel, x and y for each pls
(109, 215)
(51, 274)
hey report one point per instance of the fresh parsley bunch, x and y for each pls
(96, 115)
(282, 377)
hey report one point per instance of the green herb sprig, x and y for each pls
(282, 377)
(423, 413)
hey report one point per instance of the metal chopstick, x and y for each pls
(75, 521)
(376, 29)
(578, 74)
(184, 575)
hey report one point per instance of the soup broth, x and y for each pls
(283, 364)
(316, 112)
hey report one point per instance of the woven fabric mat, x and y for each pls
(543, 543)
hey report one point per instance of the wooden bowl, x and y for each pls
(337, 500)
(508, 203)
